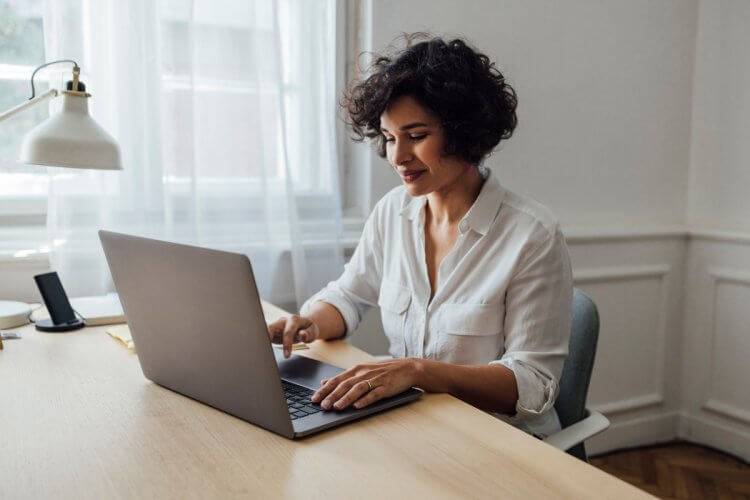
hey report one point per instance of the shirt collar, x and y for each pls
(482, 213)
(411, 206)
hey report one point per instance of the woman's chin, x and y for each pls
(414, 189)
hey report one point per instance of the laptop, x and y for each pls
(198, 327)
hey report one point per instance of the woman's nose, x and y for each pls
(401, 153)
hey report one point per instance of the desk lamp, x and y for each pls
(69, 138)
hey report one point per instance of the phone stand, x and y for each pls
(62, 316)
(46, 325)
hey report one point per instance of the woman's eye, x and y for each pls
(413, 138)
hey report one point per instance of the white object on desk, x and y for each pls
(13, 314)
(99, 310)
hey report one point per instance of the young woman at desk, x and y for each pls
(473, 281)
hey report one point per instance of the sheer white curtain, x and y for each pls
(225, 114)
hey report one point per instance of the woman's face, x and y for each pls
(415, 148)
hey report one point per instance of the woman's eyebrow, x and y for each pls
(407, 126)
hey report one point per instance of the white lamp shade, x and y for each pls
(71, 138)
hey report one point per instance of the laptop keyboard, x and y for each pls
(298, 400)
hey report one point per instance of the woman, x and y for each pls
(473, 281)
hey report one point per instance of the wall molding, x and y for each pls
(719, 275)
(726, 410)
(621, 273)
(726, 275)
(577, 235)
(708, 431)
(645, 430)
(636, 403)
(738, 237)
(611, 274)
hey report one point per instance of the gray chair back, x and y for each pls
(576, 374)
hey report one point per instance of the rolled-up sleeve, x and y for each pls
(537, 324)
(358, 287)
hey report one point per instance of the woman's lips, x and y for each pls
(411, 175)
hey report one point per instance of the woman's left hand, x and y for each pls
(386, 378)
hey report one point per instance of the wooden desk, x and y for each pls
(79, 420)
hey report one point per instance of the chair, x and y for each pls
(578, 422)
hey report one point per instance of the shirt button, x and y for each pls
(463, 226)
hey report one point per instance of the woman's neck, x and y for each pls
(448, 205)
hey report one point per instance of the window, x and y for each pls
(220, 91)
(23, 188)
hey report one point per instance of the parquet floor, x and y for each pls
(680, 470)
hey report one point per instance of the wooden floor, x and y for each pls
(680, 470)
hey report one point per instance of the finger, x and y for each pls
(276, 329)
(326, 386)
(375, 394)
(339, 392)
(357, 391)
(309, 334)
(312, 332)
(290, 331)
(333, 390)
(325, 395)
(329, 384)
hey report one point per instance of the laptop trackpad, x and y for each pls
(304, 371)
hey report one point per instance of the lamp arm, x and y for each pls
(34, 99)
(76, 71)
(51, 93)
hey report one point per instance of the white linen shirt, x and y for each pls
(503, 294)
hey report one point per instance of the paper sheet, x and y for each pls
(122, 334)
(295, 347)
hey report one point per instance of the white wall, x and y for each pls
(604, 98)
(719, 195)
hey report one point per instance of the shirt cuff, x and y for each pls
(337, 300)
(536, 391)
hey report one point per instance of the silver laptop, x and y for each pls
(198, 327)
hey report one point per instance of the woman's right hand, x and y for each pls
(292, 329)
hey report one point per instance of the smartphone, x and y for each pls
(55, 298)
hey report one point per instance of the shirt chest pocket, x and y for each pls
(470, 333)
(394, 303)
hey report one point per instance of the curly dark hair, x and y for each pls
(452, 80)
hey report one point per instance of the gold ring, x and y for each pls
(369, 385)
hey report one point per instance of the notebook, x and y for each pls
(99, 310)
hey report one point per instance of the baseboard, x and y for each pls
(711, 432)
(636, 432)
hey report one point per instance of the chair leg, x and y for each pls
(579, 451)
